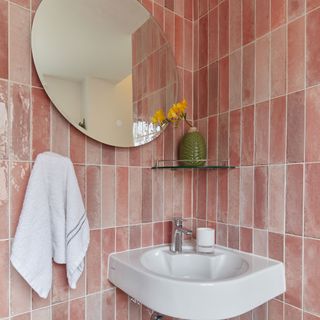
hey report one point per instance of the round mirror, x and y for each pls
(106, 65)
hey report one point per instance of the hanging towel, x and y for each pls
(52, 225)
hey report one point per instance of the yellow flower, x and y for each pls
(158, 117)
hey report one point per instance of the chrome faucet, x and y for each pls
(177, 234)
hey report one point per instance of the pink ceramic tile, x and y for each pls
(94, 262)
(246, 239)
(201, 212)
(223, 137)
(233, 237)
(213, 35)
(146, 235)
(212, 181)
(59, 133)
(18, 183)
(20, 293)
(278, 62)
(262, 86)
(122, 239)
(262, 17)
(291, 313)
(20, 119)
(260, 243)
(25, 316)
(312, 201)
(248, 21)
(135, 195)
(40, 122)
(312, 129)
(93, 150)
(4, 115)
(108, 247)
(94, 196)
(178, 198)
(223, 28)
(168, 195)
(158, 233)
(108, 305)
(311, 274)
(108, 154)
(235, 80)
(295, 8)
(313, 47)
(212, 143)
(213, 88)
(203, 41)
(261, 197)
(295, 127)
(187, 44)
(278, 130)
(293, 258)
(188, 9)
(196, 45)
(4, 284)
(235, 24)
(77, 145)
(248, 70)
(275, 246)
(4, 40)
(121, 305)
(93, 307)
(38, 302)
(169, 26)
(222, 234)
(122, 183)
(294, 199)
(41, 314)
(122, 156)
(234, 197)
(296, 55)
(35, 4)
(235, 134)
(203, 7)
(20, 49)
(60, 288)
(246, 196)
(147, 195)
(135, 237)
(22, 3)
(247, 149)
(276, 198)
(308, 316)
(278, 13)
(108, 196)
(4, 200)
(34, 76)
(275, 310)
(262, 133)
(77, 309)
(222, 214)
(312, 4)
(203, 93)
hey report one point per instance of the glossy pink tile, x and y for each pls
(93, 310)
(4, 65)
(4, 127)
(4, 284)
(235, 80)
(295, 8)
(77, 309)
(262, 17)
(203, 41)
(4, 200)
(278, 13)
(248, 72)
(261, 197)
(121, 305)
(246, 196)
(59, 133)
(108, 196)
(94, 262)
(247, 150)
(60, 288)
(235, 24)
(223, 28)
(291, 313)
(213, 35)
(108, 305)
(248, 21)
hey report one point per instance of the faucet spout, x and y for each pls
(177, 235)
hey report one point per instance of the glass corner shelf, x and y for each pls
(205, 164)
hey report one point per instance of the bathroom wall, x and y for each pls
(257, 93)
(128, 204)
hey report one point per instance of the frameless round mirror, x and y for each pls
(106, 65)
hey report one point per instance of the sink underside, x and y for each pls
(194, 286)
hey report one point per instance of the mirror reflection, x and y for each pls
(106, 66)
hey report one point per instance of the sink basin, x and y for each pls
(194, 286)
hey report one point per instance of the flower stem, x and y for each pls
(187, 121)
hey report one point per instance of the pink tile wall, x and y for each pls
(128, 204)
(266, 122)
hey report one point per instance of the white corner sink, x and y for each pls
(194, 286)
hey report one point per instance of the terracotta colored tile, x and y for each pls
(212, 143)
(94, 262)
(203, 7)
(234, 197)
(278, 13)
(278, 62)
(157, 233)
(312, 4)
(59, 133)
(223, 136)
(135, 195)
(108, 247)
(122, 195)
(213, 35)
(293, 259)
(235, 132)
(223, 28)
(295, 127)
(94, 196)
(4, 200)
(248, 21)
(235, 24)
(18, 183)
(60, 286)
(294, 199)
(203, 41)
(77, 146)
(295, 8)
(94, 307)
(121, 305)
(262, 69)
(135, 237)
(203, 93)
(247, 150)
(262, 17)
(278, 130)
(108, 154)
(108, 197)
(275, 310)
(296, 55)
(196, 45)
(4, 39)
(40, 122)
(195, 9)
(233, 237)
(246, 196)
(169, 26)
(311, 274)
(77, 309)
(246, 239)
(41, 314)
(146, 235)
(312, 129)
(20, 296)
(187, 44)
(122, 239)
(222, 214)
(275, 246)
(169, 4)
(261, 197)
(291, 313)
(248, 70)
(147, 195)
(20, 50)
(213, 88)
(20, 119)
(312, 201)
(212, 181)
(235, 80)
(313, 47)
(4, 284)
(260, 243)
(276, 198)
(262, 133)
(108, 305)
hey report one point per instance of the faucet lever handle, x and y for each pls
(178, 221)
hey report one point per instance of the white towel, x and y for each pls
(53, 224)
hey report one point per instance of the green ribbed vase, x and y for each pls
(192, 147)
